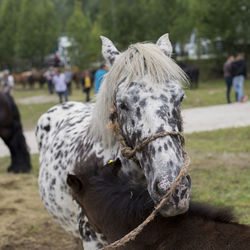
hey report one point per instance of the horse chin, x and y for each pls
(170, 211)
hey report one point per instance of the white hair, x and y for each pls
(138, 61)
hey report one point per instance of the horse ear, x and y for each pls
(74, 182)
(109, 51)
(165, 45)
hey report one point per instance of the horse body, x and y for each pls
(61, 135)
(12, 134)
(143, 89)
(115, 206)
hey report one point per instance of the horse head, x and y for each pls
(144, 88)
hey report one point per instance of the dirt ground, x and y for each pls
(24, 222)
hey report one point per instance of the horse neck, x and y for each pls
(112, 194)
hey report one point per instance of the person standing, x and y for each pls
(4, 83)
(8, 83)
(86, 85)
(60, 86)
(99, 74)
(239, 72)
(228, 76)
(49, 74)
(68, 79)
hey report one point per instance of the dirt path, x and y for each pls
(24, 223)
(37, 99)
(195, 120)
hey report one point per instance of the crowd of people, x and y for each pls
(235, 72)
(61, 82)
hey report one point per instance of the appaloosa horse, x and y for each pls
(143, 92)
(116, 206)
(12, 134)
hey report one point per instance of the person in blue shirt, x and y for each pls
(99, 74)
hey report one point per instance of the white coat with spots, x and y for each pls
(143, 86)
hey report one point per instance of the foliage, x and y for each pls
(130, 21)
(36, 33)
(83, 37)
(228, 21)
(8, 23)
(124, 22)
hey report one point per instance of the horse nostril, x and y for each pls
(158, 188)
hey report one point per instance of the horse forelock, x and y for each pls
(139, 62)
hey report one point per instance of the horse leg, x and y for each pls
(20, 159)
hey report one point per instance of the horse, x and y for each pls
(12, 134)
(115, 206)
(192, 72)
(77, 77)
(142, 92)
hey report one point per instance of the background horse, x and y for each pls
(115, 206)
(192, 72)
(143, 89)
(12, 134)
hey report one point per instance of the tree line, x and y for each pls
(29, 29)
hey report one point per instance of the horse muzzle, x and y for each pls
(178, 202)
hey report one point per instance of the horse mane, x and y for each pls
(141, 61)
(131, 202)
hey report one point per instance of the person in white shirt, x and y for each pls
(60, 86)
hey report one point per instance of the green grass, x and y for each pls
(220, 168)
(211, 93)
(31, 113)
(5, 162)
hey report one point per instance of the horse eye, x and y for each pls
(123, 106)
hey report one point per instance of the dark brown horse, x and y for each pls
(115, 207)
(192, 72)
(12, 134)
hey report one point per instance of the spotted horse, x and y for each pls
(144, 89)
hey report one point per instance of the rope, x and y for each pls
(129, 153)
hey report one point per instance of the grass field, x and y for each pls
(220, 171)
(220, 168)
(209, 93)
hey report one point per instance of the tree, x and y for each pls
(131, 21)
(227, 22)
(37, 32)
(48, 32)
(79, 30)
(8, 23)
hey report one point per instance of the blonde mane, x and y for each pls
(138, 61)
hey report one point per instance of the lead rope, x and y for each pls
(129, 153)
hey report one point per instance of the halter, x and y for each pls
(129, 153)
